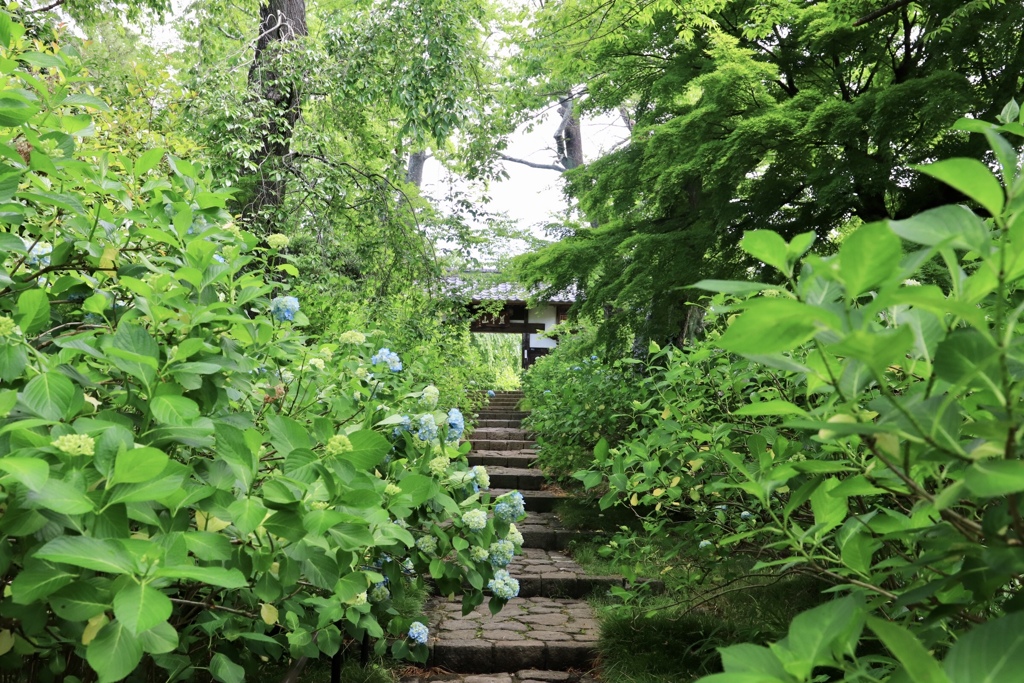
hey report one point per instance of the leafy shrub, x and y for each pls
(188, 482)
(878, 443)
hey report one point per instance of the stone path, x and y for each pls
(548, 634)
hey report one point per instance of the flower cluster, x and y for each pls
(386, 355)
(503, 586)
(38, 255)
(338, 444)
(317, 363)
(704, 544)
(501, 553)
(358, 600)
(352, 337)
(428, 428)
(478, 554)
(515, 536)
(404, 426)
(439, 465)
(427, 544)
(476, 520)
(379, 592)
(284, 308)
(510, 507)
(392, 490)
(8, 328)
(429, 397)
(456, 425)
(418, 633)
(490, 393)
(278, 241)
(75, 444)
(481, 476)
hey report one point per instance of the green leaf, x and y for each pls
(970, 177)
(992, 478)
(990, 653)
(214, 576)
(952, 225)
(769, 247)
(37, 580)
(208, 546)
(148, 161)
(79, 601)
(139, 465)
(247, 514)
(174, 410)
(829, 511)
(63, 497)
(368, 449)
(775, 325)
(114, 652)
(286, 434)
(419, 487)
(919, 665)
(224, 670)
(773, 407)
(160, 639)
(868, 257)
(33, 311)
(350, 585)
(739, 287)
(49, 396)
(13, 361)
(135, 352)
(968, 357)
(29, 472)
(15, 110)
(601, 450)
(141, 607)
(99, 554)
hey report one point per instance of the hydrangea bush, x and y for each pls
(188, 482)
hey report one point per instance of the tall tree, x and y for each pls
(786, 115)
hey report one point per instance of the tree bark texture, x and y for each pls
(414, 171)
(281, 21)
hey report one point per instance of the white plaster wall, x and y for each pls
(543, 314)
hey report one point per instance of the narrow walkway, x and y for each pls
(548, 634)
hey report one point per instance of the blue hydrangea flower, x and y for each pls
(503, 586)
(218, 258)
(501, 553)
(510, 507)
(404, 426)
(746, 514)
(418, 633)
(427, 544)
(490, 393)
(704, 544)
(386, 355)
(284, 308)
(483, 479)
(428, 428)
(456, 425)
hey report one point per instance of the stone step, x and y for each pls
(551, 574)
(500, 433)
(543, 530)
(535, 501)
(498, 424)
(524, 676)
(522, 478)
(488, 414)
(502, 445)
(529, 633)
(502, 458)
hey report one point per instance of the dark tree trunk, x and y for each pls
(414, 171)
(281, 21)
(568, 138)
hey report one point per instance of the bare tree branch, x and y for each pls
(882, 11)
(532, 164)
(52, 5)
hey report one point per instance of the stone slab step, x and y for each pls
(502, 458)
(502, 445)
(529, 633)
(521, 478)
(524, 676)
(544, 530)
(535, 501)
(551, 574)
(500, 424)
(499, 433)
(488, 414)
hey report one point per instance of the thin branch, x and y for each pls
(52, 5)
(882, 11)
(532, 164)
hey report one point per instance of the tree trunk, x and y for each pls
(414, 171)
(281, 21)
(568, 138)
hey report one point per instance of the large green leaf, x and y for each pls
(368, 449)
(247, 514)
(100, 554)
(61, 496)
(968, 357)
(919, 665)
(141, 607)
(225, 671)
(29, 472)
(177, 411)
(214, 576)
(767, 246)
(160, 639)
(953, 225)
(80, 601)
(775, 325)
(970, 177)
(134, 351)
(990, 653)
(49, 396)
(37, 580)
(33, 311)
(868, 257)
(138, 465)
(13, 361)
(286, 434)
(992, 478)
(114, 652)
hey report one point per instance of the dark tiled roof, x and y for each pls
(483, 287)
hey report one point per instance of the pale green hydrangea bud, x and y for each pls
(439, 465)
(478, 554)
(515, 536)
(352, 337)
(317, 363)
(338, 444)
(278, 241)
(476, 520)
(358, 600)
(75, 444)
(392, 490)
(8, 328)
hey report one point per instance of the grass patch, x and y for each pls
(584, 515)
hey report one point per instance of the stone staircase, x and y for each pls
(547, 634)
